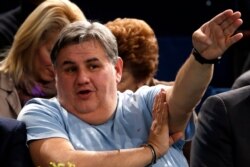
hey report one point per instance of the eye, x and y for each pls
(93, 66)
(70, 69)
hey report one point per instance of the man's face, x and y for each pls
(87, 81)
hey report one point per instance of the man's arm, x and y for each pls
(211, 40)
(57, 150)
(60, 150)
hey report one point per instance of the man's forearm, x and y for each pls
(190, 85)
(58, 150)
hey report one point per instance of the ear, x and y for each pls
(118, 68)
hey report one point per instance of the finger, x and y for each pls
(159, 99)
(163, 95)
(235, 38)
(161, 119)
(159, 112)
(230, 20)
(156, 105)
(230, 29)
(220, 18)
(164, 113)
(163, 109)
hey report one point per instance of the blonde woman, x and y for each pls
(26, 71)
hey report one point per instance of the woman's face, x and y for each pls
(43, 68)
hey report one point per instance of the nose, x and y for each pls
(82, 77)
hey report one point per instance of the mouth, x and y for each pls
(84, 94)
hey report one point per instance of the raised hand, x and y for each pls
(215, 36)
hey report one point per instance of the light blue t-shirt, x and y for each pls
(128, 128)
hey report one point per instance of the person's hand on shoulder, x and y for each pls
(159, 136)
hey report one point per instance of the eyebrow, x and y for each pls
(94, 59)
(67, 62)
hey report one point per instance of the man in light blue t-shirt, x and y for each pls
(90, 123)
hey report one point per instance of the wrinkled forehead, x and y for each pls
(83, 51)
(71, 39)
(81, 32)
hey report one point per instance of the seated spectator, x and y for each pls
(27, 71)
(94, 124)
(13, 149)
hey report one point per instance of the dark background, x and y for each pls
(167, 17)
(174, 22)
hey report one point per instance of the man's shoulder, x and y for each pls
(43, 101)
(242, 80)
(38, 105)
(233, 98)
(233, 93)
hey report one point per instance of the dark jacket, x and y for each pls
(242, 80)
(222, 138)
(13, 149)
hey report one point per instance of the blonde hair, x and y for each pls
(49, 16)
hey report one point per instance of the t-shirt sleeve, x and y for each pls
(43, 120)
